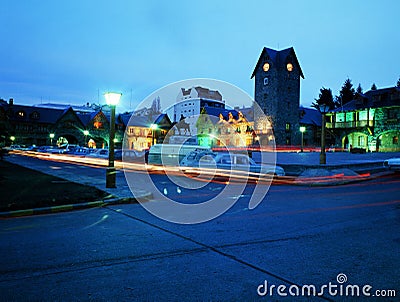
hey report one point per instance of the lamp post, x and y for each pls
(85, 133)
(12, 139)
(51, 135)
(112, 99)
(153, 130)
(323, 108)
(302, 130)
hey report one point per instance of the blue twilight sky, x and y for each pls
(73, 51)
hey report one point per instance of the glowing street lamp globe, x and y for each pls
(112, 98)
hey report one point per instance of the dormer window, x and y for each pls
(35, 115)
(21, 114)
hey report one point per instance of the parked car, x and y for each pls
(103, 153)
(171, 154)
(68, 149)
(83, 151)
(48, 149)
(392, 164)
(133, 155)
(99, 153)
(229, 161)
(16, 147)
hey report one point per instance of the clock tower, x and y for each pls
(277, 92)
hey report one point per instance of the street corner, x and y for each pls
(333, 177)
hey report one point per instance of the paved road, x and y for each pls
(296, 236)
(332, 158)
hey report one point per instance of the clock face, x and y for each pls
(266, 67)
(289, 66)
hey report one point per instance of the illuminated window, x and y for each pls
(266, 66)
(98, 125)
(21, 114)
(289, 66)
(395, 140)
(287, 127)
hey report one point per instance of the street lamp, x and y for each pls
(153, 127)
(323, 108)
(12, 138)
(85, 133)
(112, 99)
(302, 130)
(51, 135)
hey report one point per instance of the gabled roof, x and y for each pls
(125, 117)
(310, 116)
(278, 58)
(139, 121)
(202, 92)
(163, 121)
(86, 118)
(44, 115)
(372, 99)
(346, 107)
(225, 113)
(67, 110)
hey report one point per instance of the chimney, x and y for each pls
(11, 102)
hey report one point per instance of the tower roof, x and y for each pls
(278, 58)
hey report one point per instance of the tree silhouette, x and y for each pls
(346, 93)
(373, 87)
(398, 83)
(325, 97)
(359, 89)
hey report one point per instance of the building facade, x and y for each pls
(49, 125)
(277, 77)
(191, 101)
(217, 127)
(370, 122)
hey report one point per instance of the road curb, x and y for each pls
(339, 182)
(53, 209)
(76, 206)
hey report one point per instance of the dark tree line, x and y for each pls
(346, 94)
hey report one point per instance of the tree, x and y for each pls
(359, 89)
(373, 87)
(398, 83)
(325, 97)
(346, 93)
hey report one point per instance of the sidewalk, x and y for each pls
(297, 163)
(122, 192)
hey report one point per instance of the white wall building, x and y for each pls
(188, 106)
(190, 102)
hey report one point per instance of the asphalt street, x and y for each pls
(297, 236)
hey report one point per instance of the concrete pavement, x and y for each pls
(297, 236)
(341, 168)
